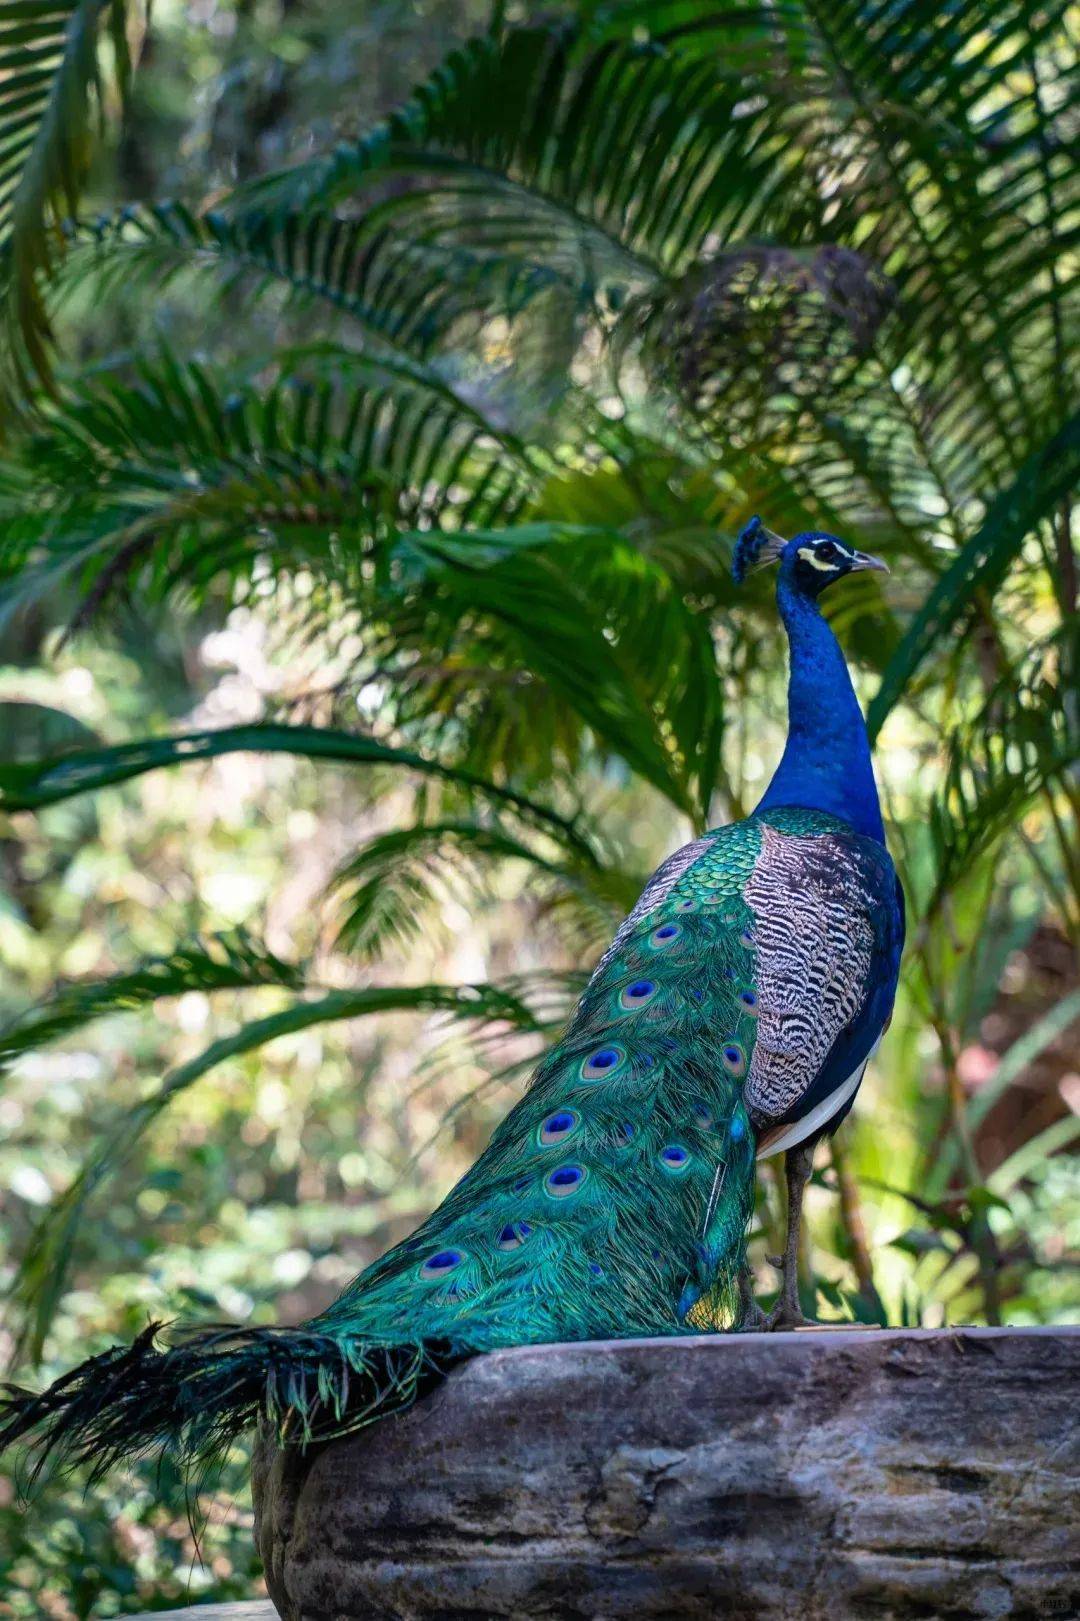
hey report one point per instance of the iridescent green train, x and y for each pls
(614, 1199)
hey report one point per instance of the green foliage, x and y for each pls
(387, 887)
(31, 784)
(226, 961)
(1043, 484)
(402, 296)
(602, 626)
(1020, 743)
(50, 75)
(140, 1549)
(334, 456)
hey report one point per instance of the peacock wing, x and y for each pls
(828, 931)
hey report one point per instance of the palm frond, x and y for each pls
(389, 888)
(290, 479)
(30, 785)
(632, 164)
(1022, 742)
(1044, 482)
(401, 292)
(860, 292)
(50, 78)
(1025, 1050)
(335, 454)
(772, 193)
(533, 139)
(586, 612)
(228, 961)
(700, 29)
(29, 729)
(42, 1275)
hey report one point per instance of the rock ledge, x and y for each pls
(888, 1474)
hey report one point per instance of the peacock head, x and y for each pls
(810, 561)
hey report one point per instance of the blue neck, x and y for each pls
(826, 763)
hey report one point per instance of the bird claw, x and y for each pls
(784, 1317)
(787, 1312)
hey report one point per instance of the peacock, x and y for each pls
(732, 1017)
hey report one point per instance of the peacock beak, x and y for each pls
(863, 560)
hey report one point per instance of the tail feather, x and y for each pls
(197, 1395)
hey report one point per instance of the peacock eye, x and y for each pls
(828, 551)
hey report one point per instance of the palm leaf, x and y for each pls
(531, 137)
(640, 156)
(1047, 1029)
(231, 961)
(398, 291)
(1023, 741)
(29, 728)
(911, 348)
(49, 79)
(1044, 482)
(388, 888)
(30, 785)
(890, 379)
(604, 628)
(333, 455)
(42, 1275)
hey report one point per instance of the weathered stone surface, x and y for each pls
(818, 1474)
(253, 1610)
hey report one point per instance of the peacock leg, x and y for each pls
(751, 1317)
(787, 1313)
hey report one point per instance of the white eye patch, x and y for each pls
(808, 556)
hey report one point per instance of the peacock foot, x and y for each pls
(787, 1313)
(785, 1316)
(752, 1319)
